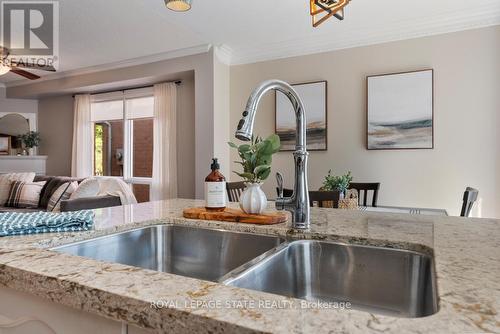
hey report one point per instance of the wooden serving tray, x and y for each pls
(235, 215)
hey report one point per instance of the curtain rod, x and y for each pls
(177, 82)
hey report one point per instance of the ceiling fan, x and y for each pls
(7, 65)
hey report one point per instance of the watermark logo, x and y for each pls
(30, 31)
(251, 304)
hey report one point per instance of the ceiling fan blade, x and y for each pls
(33, 66)
(25, 74)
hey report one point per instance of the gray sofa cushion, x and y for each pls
(86, 203)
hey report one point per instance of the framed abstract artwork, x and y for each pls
(314, 97)
(4, 145)
(400, 111)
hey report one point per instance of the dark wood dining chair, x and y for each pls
(321, 197)
(286, 192)
(364, 188)
(470, 197)
(234, 190)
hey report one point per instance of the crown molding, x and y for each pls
(486, 16)
(120, 64)
(223, 53)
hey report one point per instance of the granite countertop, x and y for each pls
(466, 257)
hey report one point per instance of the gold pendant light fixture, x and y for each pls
(322, 10)
(178, 5)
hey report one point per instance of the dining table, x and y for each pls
(401, 209)
(410, 210)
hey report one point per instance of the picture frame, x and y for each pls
(400, 110)
(5, 145)
(314, 96)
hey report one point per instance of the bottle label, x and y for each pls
(215, 194)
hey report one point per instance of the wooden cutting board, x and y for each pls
(235, 215)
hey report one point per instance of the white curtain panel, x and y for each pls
(164, 185)
(83, 138)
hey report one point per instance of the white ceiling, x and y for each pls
(97, 32)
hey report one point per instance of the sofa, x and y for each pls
(51, 185)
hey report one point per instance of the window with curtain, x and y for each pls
(123, 137)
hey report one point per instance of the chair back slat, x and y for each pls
(470, 197)
(363, 192)
(234, 190)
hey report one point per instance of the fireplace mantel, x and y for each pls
(23, 164)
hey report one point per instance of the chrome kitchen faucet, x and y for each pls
(298, 203)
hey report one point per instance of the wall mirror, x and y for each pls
(11, 126)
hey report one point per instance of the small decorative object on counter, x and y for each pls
(215, 188)
(30, 141)
(337, 183)
(351, 194)
(350, 201)
(256, 159)
(253, 200)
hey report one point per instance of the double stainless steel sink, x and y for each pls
(193, 252)
(375, 279)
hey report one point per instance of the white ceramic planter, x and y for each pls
(253, 200)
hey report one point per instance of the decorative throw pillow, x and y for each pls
(24, 195)
(61, 194)
(7, 179)
(88, 188)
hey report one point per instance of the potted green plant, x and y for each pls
(31, 140)
(256, 159)
(338, 183)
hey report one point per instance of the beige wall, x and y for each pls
(467, 103)
(56, 129)
(16, 105)
(55, 124)
(221, 115)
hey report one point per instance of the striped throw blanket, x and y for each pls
(15, 223)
